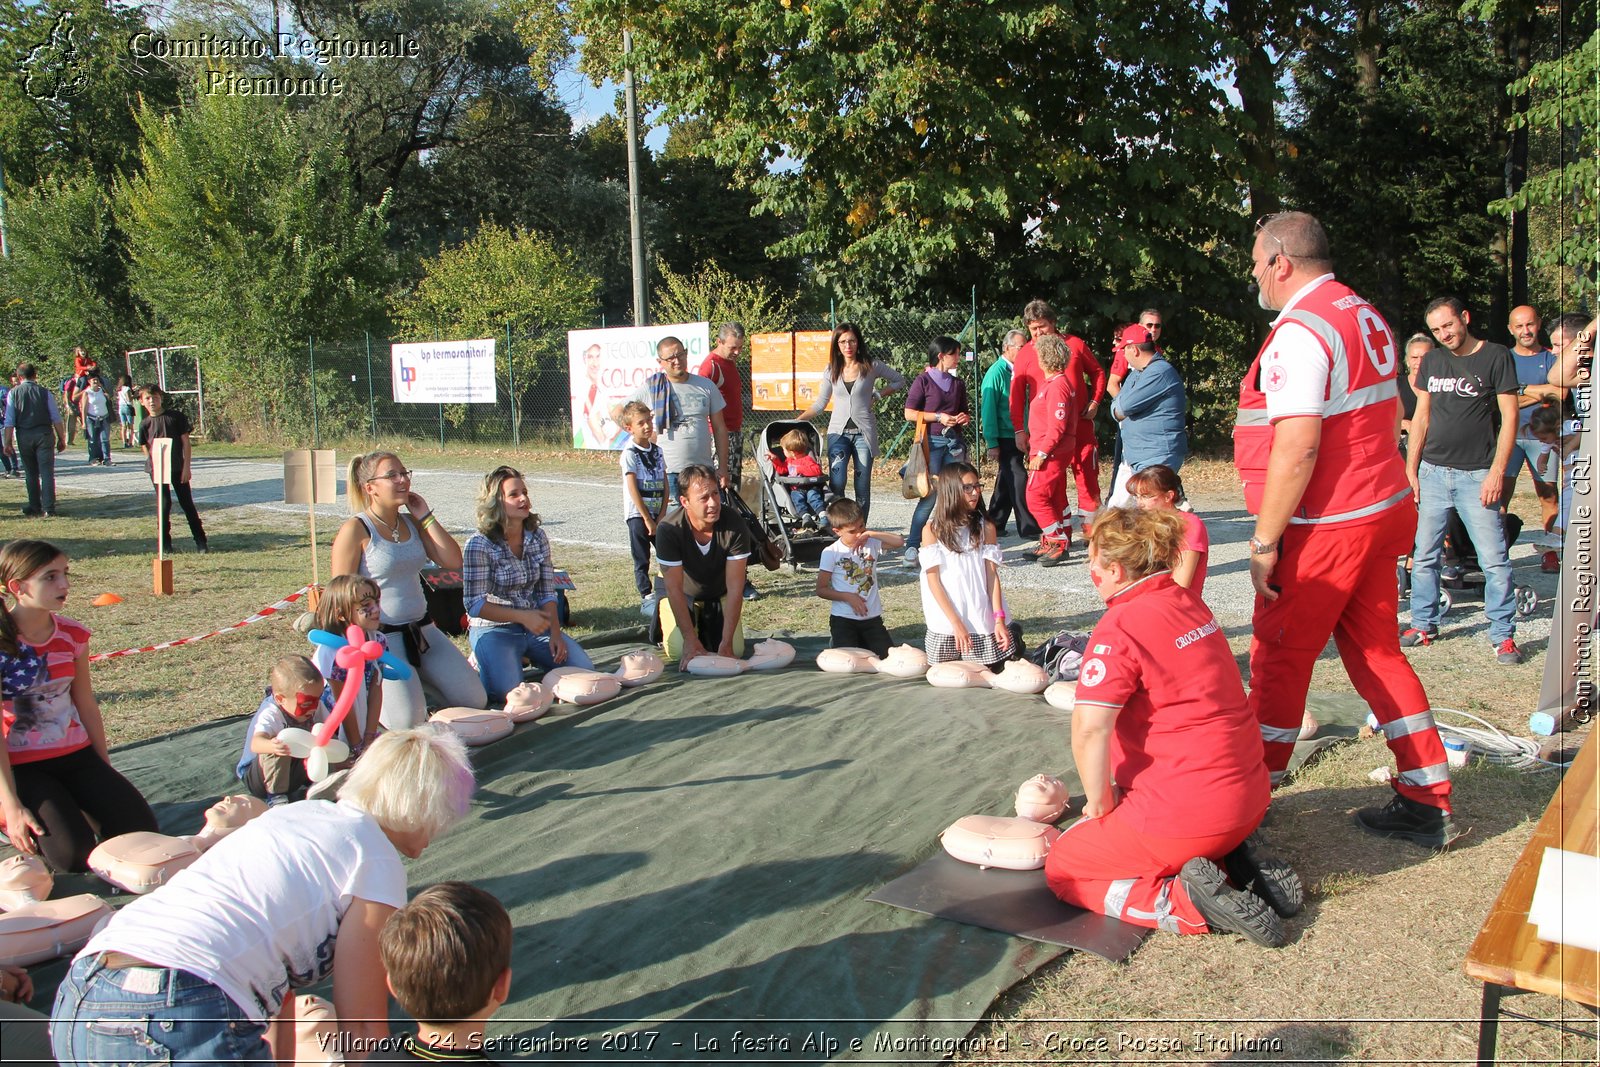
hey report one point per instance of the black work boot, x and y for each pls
(1410, 820)
(1224, 908)
(1270, 877)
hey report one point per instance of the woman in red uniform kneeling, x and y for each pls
(1170, 759)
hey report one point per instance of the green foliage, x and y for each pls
(921, 146)
(65, 282)
(502, 276)
(70, 87)
(1567, 107)
(1402, 177)
(711, 294)
(246, 243)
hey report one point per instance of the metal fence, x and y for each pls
(350, 390)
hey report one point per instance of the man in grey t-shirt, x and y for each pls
(688, 415)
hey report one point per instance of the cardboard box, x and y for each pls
(772, 372)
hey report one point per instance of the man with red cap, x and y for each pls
(1316, 445)
(1151, 410)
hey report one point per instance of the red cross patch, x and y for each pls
(1276, 378)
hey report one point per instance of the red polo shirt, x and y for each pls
(725, 373)
(1027, 378)
(1185, 750)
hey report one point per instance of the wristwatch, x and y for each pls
(1259, 547)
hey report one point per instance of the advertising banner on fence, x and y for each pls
(605, 366)
(443, 372)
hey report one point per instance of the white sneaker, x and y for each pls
(647, 606)
(911, 557)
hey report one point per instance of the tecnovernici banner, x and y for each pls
(443, 372)
(606, 366)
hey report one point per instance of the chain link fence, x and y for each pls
(348, 392)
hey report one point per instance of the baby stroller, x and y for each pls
(803, 544)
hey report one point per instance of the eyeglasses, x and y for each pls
(972, 487)
(675, 357)
(392, 476)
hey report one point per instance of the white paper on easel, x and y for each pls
(1566, 899)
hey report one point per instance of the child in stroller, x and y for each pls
(799, 472)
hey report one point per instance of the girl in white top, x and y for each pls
(960, 560)
(391, 547)
(196, 969)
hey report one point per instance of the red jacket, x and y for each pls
(1053, 416)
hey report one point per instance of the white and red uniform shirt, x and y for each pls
(724, 373)
(1330, 355)
(1053, 419)
(41, 721)
(1185, 750)
(1027, 378)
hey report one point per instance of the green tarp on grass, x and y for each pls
(691, 861)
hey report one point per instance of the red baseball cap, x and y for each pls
(1135, 335)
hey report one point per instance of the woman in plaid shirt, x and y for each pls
(508, 581)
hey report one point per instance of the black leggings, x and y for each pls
(62, 790)
(190, 512)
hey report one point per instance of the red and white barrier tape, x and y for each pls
(265, 613)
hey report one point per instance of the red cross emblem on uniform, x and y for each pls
(1276, 378)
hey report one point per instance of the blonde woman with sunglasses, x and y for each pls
(391, 546)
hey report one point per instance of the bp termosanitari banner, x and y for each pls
(444, 372)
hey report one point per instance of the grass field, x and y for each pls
(1373, 970)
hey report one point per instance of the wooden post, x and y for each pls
(310, 477)
(161, 476)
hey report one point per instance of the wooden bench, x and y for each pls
(1507, 954)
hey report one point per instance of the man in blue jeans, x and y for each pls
(1461, 438)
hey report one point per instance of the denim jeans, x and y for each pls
(149, 1014)
(500, 650)
(1443, 488)
(97, 433)
(941, 450)
(806, 502)
(841, 447)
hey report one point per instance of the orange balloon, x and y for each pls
(105, 600)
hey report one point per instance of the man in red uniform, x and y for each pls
(1316, 445)
(1053, 414)
(1027, 381)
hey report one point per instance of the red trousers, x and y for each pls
(1086, 467)
(1047, 494)
(1340, 582)
(1106, 866)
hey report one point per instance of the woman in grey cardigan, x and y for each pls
(853, 430)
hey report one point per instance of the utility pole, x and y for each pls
(635, 222)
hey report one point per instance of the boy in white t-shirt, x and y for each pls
(847, 574)
(644, 495)
(299, 697)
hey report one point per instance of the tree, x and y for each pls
(1397, 160)
(70, 85)
(66, 278)
(926, 147)
(712, 294)
(502, 276)
(245, 242)
(1564, 107)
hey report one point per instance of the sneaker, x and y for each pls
(1409, 820)
(1031, 554)
(1055, 554)
(1507, 654)
(1269, 877)
(1450, 572)
(911, 556)
(751, 592)
(275, 800)
(647, 606)
(1550, 563)
(1230, 910)
(1412, 637)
